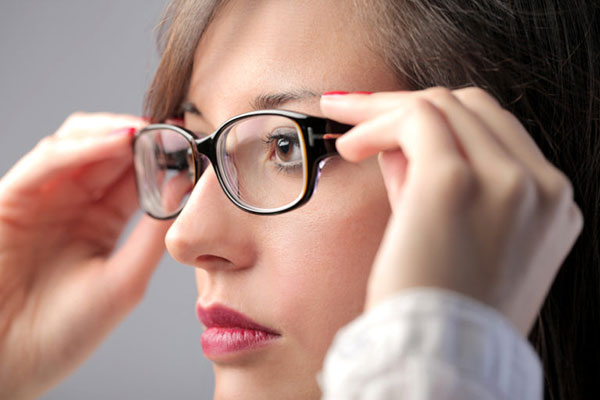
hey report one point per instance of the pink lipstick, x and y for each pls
(228, 331)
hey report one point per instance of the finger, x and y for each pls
(94, 180)
(122, 196)
(393, 167)
(354, 108)
(130, 268)
(420, 131)
(81, 124)
(504, 125)
(474, 138)
(54, 157)
(101, 221)
(550, 182)
(113, 210)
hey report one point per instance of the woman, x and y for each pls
(470, 204)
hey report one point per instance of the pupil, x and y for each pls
(284, 146)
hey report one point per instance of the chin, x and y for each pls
(238, 383)
(265, 376)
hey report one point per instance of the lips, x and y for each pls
(229, 332)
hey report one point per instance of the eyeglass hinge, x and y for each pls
(312, 136)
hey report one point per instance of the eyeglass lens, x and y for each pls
(165, 170)
(261, 160)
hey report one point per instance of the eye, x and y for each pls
(285, 147)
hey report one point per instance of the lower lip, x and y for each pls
(218, 341)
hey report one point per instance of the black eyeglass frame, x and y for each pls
(319, 136)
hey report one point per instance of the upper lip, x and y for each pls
(218, 316)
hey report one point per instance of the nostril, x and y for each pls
(211, 262)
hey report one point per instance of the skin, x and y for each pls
(475, 208)
(302, 273)
(62, 210)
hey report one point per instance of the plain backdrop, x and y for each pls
(61, 56)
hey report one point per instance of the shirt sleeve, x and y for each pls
(431, 344)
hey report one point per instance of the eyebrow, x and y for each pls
(263, 101)
(276, 100)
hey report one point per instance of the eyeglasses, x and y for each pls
(267, 162)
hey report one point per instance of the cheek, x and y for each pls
(320, 275)
(313, 263)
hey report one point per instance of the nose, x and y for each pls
(211, 232)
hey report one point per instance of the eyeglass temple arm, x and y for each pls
(333, 130)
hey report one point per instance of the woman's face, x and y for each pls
(301, 274)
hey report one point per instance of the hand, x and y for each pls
(476, 208)
(62, 289)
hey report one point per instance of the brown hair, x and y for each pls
(541, 59)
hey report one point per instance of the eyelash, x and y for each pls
(281, 167)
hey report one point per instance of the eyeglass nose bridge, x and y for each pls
(204, 151)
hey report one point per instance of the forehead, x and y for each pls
(256, 47)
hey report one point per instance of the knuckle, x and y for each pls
(414, 116)
(76, 116)
(556, 188)
(439, 93)
(477, 95)
(419, 108)
(515, 185)
(577, 217)
(509, 116)
(46, 143)
(71, 123)
(454, 179)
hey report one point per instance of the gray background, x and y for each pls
(61, 56)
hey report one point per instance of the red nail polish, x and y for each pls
(128, 131)
(336, 93)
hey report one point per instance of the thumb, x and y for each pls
(130, 268)
(393, 164)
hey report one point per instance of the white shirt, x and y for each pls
(431, 344)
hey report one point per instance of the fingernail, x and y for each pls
(128, 131)
(335, 93)
(362, 92)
